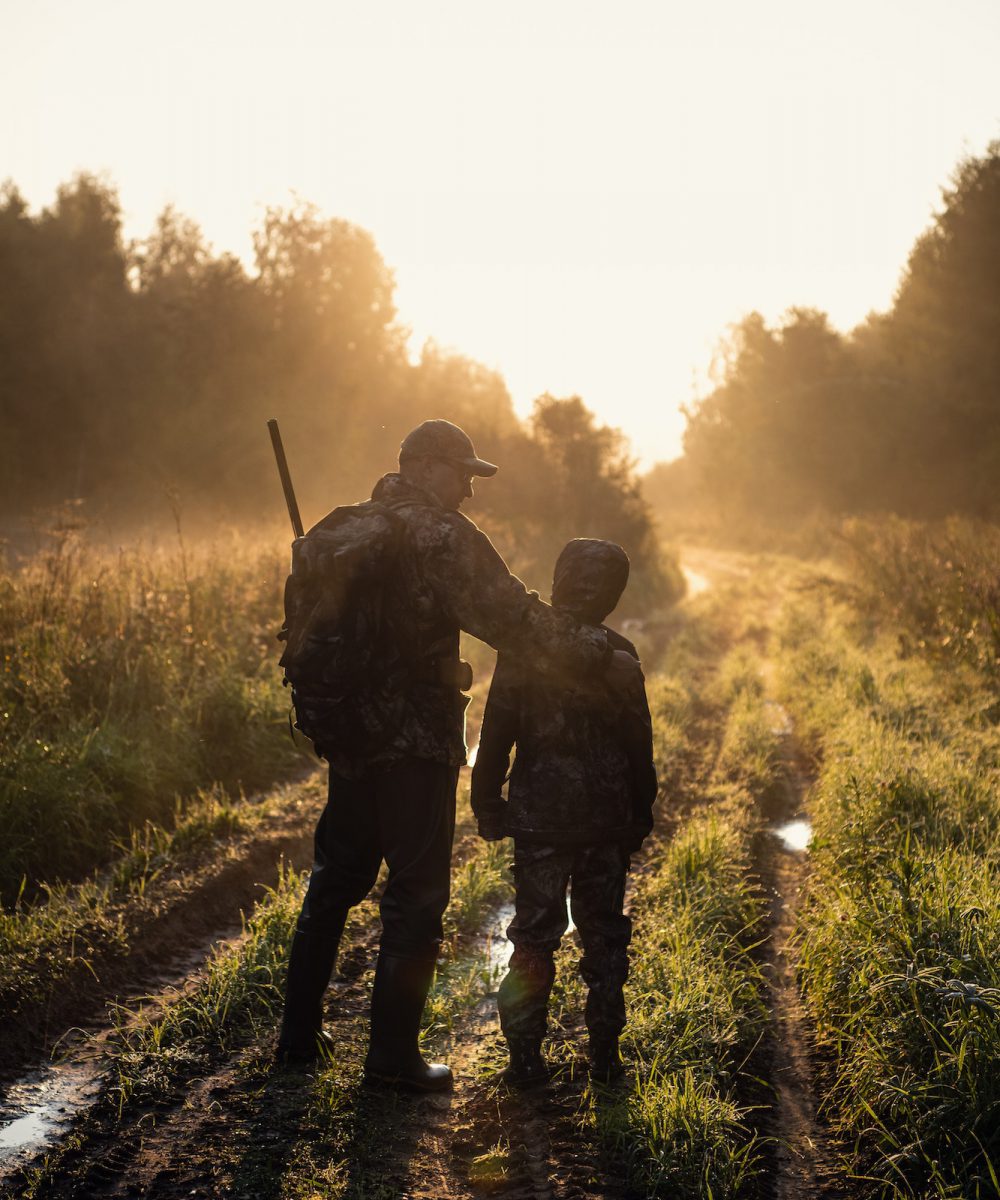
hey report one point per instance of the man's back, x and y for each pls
(447, 577)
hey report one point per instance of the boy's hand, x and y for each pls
(492, 831)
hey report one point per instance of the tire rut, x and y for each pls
(805, 1161)
(187, 918)
(171, 929)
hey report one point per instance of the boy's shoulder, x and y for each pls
(517, 671)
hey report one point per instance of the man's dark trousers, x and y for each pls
(541, 875)
(405, 815)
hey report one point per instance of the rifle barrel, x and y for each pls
(286, 479)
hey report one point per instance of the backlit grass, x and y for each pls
(129, 678)
(696, 1011)
(900, 935)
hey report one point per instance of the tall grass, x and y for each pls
(696, 1011)
(128, 679)
(900, 933)
(241, 993)
(939, 582)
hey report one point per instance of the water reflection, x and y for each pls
(795, 835)
(499, 949)
(42, 1106)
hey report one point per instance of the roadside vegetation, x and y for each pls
(696, 1012)
(939, 582)
(130, 679)
(900, 933)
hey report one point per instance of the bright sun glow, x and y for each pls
(578, 194)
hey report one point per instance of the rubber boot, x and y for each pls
(302, 1038)
(605, 1061)
(527, 1068)
(398, 997)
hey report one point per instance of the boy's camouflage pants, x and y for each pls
(541, 876)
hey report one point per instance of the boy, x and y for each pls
(579, 803)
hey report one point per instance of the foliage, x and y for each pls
(695, 1012)
(898, 415)
(940, 583)
(127, 682)
(568, 476)
(243, 987)
(131, 370)
(98, 921)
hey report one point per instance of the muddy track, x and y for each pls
(232, 1130)
(488, 1139)
(54, 1071)
(240, 1129)
(804, 1156)
(170, 931)
(236, 1129)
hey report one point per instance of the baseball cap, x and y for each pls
(442, 439)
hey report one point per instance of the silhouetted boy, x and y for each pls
(579, 802)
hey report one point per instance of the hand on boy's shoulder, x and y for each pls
(624, 672)
(625, 675)
(618, 641)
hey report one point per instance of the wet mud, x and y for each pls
(805, 1159)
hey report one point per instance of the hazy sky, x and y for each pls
(580, 194)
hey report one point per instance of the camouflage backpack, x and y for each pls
(341, 659)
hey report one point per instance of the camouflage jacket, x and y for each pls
(583, 771)
(448, 577)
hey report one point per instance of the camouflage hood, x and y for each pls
(590, 576)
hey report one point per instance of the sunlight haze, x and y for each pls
(581, 195)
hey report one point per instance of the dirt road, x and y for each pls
(232, 1126)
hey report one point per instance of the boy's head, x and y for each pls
(589, 578)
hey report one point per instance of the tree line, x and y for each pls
(901, 414)
(132, 371)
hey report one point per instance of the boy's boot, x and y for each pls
(310, 966)
(398, 996)
(527, 1068)
(605, 1061)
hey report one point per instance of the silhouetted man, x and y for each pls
(396, 800)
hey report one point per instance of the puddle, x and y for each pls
(696, 583)
(499, 949)
(41, 1107)
(794, 835)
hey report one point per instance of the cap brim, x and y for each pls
(478, 466)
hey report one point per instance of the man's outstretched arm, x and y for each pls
(475, 587)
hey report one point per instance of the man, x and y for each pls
(396, 801)
(580, 801)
